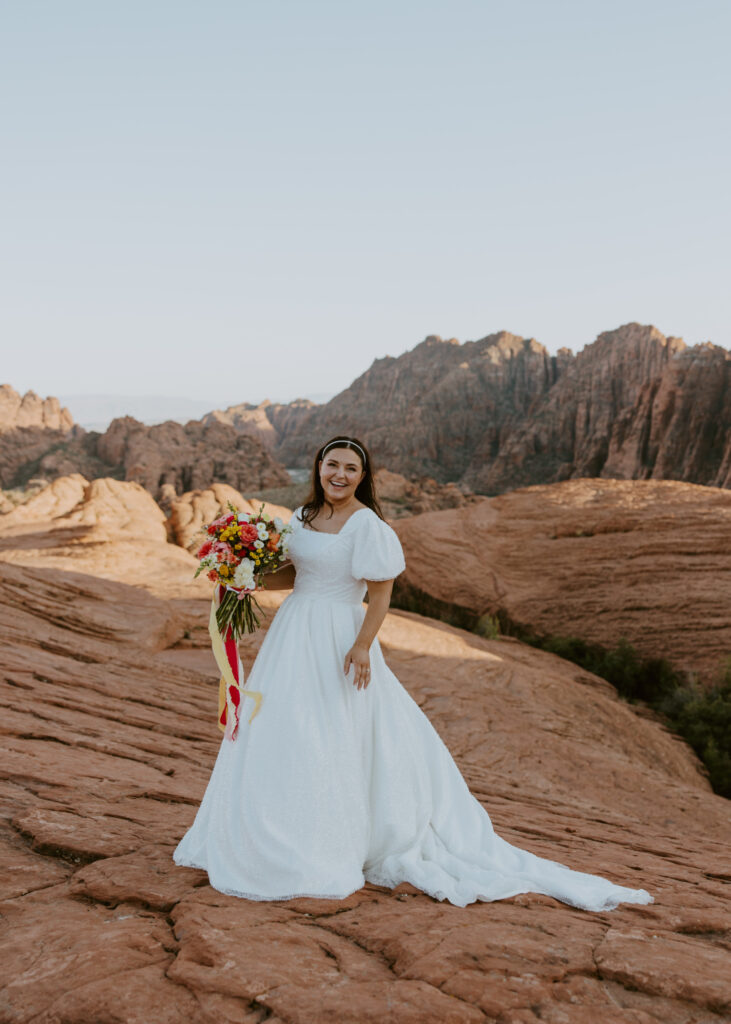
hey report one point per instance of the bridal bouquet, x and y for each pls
(239, 549)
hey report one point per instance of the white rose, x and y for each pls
(279, 524)
(262, 531)
(258, 543)
(244, 574)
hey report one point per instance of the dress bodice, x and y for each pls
(335, 566)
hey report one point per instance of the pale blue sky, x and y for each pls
(233, 201)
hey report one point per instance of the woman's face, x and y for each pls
(340, 473)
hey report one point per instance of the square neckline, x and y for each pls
(323, 533)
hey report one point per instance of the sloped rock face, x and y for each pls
(425, 412)
(596, 559)
(107, 743)
(107, 528)
(681, 426)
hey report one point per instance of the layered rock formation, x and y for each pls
(108, 740)
(486, 416)
(597, 559)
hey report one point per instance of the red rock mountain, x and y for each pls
(427, 411)
(500, 413)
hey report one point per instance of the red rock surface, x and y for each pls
(596, 559)
(108, 736)
(106, 528)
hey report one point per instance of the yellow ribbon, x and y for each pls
(227, 676)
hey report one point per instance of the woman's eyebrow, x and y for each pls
(350, 465)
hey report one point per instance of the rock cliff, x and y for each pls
(29, 410)
(634, 405)
(268, 421)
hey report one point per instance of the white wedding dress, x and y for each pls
(330, 786)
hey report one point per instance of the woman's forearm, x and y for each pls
(378, 605)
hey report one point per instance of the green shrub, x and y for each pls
(487, 626)
(703, 719)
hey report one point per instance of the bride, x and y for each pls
(341, 779)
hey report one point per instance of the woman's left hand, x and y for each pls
(359, 658)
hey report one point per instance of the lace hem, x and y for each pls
(256, 896)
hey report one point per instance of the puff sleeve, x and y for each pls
(377, 551)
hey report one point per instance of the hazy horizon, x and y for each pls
(278, 195)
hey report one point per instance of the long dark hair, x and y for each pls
(365, 491)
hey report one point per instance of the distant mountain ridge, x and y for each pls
(488, 415)
(500, 413)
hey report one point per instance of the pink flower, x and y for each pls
(248, 533)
